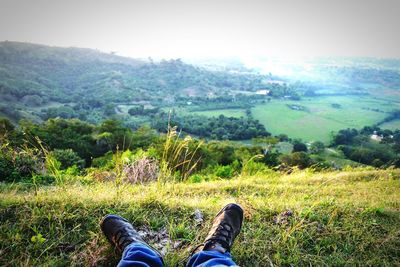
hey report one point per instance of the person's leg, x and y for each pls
(139, 254)
(135, 251)
(211, 258)
(215, 251)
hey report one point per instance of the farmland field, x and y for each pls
(319, 115)
(392, 125)
(320, 118)
(237, 113)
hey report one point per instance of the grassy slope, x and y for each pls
(338, 218)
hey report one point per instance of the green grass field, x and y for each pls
(392, 125)
(237, 113)
(339, 218)
(320, 117)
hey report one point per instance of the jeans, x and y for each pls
(141, 255)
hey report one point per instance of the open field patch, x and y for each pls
(237, 113)
(392, 125)
(322, 116)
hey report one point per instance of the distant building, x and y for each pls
(263, 92)
(376, 137)
(273, 82)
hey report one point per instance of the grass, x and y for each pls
(337, 158)
(339, 218)
(321, 118)
(237, 113)
(392, 125)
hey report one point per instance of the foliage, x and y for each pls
(67, 158)
(224, 171)
(179, 156)
(344, 137)
(20, 163)
(217, 128)
(141, 170)
(300, 159)
(298, 146)
(317, 147)
(358, 146)
(252, 167)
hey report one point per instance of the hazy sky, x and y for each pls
(164, 28)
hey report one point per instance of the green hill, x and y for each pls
(303, 219)
(41, 81)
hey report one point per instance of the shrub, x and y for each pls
(5, 127)
(320, 164)
(7, 171)
(299, 146)
(67, 158)
(195, 178)
(300, 159)
(105, 162)
(224, 171)
(253, 167)
(179, 156)
(100, 175)
(317, 147)
(141, 171)
(19, 164)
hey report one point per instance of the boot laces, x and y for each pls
(123, 237)
(223, 235)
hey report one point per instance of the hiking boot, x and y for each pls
(119, 232)
(226, 226)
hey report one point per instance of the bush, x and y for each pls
(195, 178)
(300, 159)
(19, 164)
(105, 162)
(252, 168)
(67, 158)
(320, 164)
(6, 127)
(224, 171)
(141, 171)
(317, 147)
(7, 170)
(299, 146)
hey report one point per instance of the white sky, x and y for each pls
(209, 28)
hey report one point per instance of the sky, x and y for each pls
(209, 28)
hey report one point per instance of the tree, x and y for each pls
(317, 147)
(299, 146)
(300, 159)
(5, 127)
(65, 134)
(136, 110)
(344, 137)
(68, 158)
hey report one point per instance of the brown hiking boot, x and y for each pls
(226, 226)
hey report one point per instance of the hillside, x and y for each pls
(303, 219)
(41, 81)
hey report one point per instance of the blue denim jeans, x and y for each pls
(141, 255)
